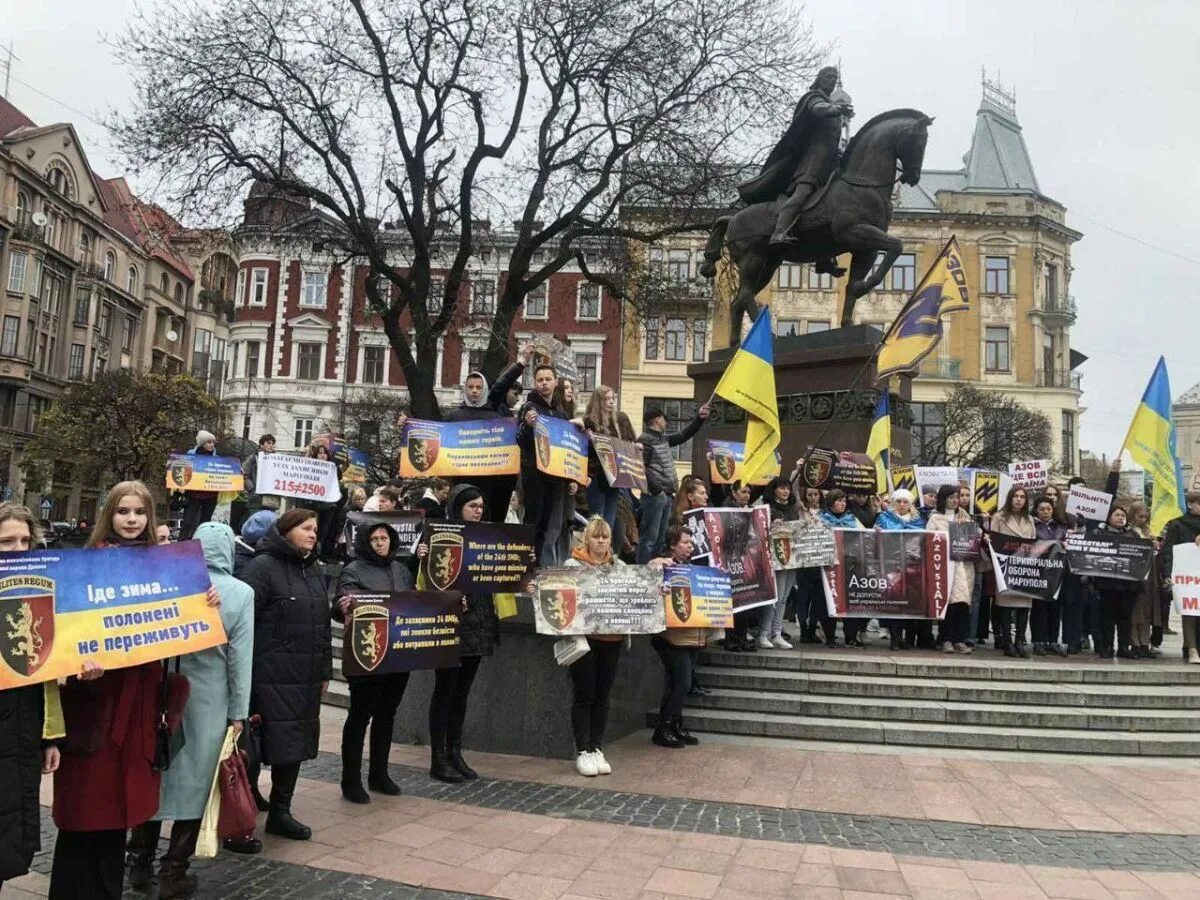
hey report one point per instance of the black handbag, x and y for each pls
(169, 738)
(250, 742)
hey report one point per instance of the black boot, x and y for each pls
(454, 733)
(279, 817)
(895, 641)
(352, 788)
(139, 858)
(259, 800)
(454, 755)
(665, 736)
(173, 878)
(440, 767)
(378, 778)
(682, 733)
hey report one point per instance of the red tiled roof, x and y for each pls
(12, 118)
(147, 225)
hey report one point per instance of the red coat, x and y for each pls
(105, 780)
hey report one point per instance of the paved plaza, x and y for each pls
(734, 818)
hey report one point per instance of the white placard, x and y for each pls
(297, 476)
(1088, 504)
(930, 478)
(1033, 474)
(1185, 579)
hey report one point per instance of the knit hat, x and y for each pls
(202, 436)
(902, 494)
(255, 528)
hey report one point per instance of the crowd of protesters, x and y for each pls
(277, 601)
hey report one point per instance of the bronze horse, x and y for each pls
(850, 214)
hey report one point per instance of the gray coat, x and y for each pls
(219, 680)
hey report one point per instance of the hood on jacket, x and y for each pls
(483, 398)
(460, 496)
(362, 544)
(217, 541)
(255, 528)
(275, 544)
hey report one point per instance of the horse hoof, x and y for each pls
(708, 270)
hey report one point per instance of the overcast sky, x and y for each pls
(1106, 95)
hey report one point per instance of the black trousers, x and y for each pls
(957, 622)
(327, 518)
(143, 841)
(283, 782)
(195, 514)
(374, 700)
(1116, 612)
(677, 670)
(1044, 620)
(592, 678)
(1012, 624)
(543, 510)
(448, 705)
(88, 865)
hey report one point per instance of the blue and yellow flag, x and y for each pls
(1151, 443)
(749, 382)
(918, 328)
(879, 445)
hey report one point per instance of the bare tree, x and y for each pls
(986, 430)
(430, 115)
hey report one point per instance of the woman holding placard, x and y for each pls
(601, 418)
(1014, 519)
(783, 507)
(677, 648)
(1045, 615)
(1147, 611)
(958, 610)
(1117, 596)
(836, 514)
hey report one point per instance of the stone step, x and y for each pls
(338, 692)
(963, 690)
(941, 735)
(935, 712)
(985, 665)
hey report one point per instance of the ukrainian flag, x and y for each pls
(879, 445)
(918, 328)
(1151, 443)
(749, 382)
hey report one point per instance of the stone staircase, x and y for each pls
(984, 701)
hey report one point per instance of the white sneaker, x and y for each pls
(585, 764)
(602, 766)
(764, 643)
(780, 644)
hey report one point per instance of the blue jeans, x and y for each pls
(656, 516)
(602, 500)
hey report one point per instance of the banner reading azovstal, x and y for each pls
(802, 544)
(198, 472)
(698, 597)
(561, 449)
(1102, 554)
(1185, 579)
(888, 575)
(401, 632)
(622, 462)
(1028, 568)
(407, 523)
(477, 557)
(285, 475)
(118, 607)
(739, 543)
(599, 600)
(459, 449)
(725, 459)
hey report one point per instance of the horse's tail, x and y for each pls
(712, 250)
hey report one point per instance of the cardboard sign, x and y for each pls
(985, 492)
(623, 463)
(1185, 579)
(599, 600)
(299, 477)
(401, 632)
(459, 449)
(118, 607)
(1088, 504)
(803, 544)
(725, 459)
(561, 449)
(930, 479)
(201, 472)
(888, 575)
(697, 597)
(477, 557)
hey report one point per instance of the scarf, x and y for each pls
(580, 553)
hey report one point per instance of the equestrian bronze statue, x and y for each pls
(808, 205)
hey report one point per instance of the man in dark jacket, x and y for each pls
(255, 499)
(1183, 530)
(544, 494)
(661, 480)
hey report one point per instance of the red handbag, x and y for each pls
(238, 810)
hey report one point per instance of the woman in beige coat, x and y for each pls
(1014, 519)
(958, 611)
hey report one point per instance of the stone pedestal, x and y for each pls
(820, 401)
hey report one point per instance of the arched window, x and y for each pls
(85, 247)
(110, 266)
(164, 284)
(22, 206)
(179, 293)
(131, 280)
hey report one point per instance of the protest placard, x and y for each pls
(353, 462)
(1026, 568)
(1185, 579)
(698, 597)
(929, 479)
(725, 459)
(1108, 554)
(401, 632)
(298, 476)
(477, 557)
(1033, 475)
(802, 544)
(739, 543)
(459, 449)
(560, 448)
(622, 462)
(407, 523)
(851, 472)
(694, 520)
(888, 574)
(1088, 504)
(965, 540)
(550, 351)
(118, 607)
(903, 478)
(1132, 483)
(198, 472)
(985, 492)
(599, 600)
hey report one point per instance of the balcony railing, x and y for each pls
(1060, 306)
(942, 367)
(91, 271)
(1057, 378)
(26, 231)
